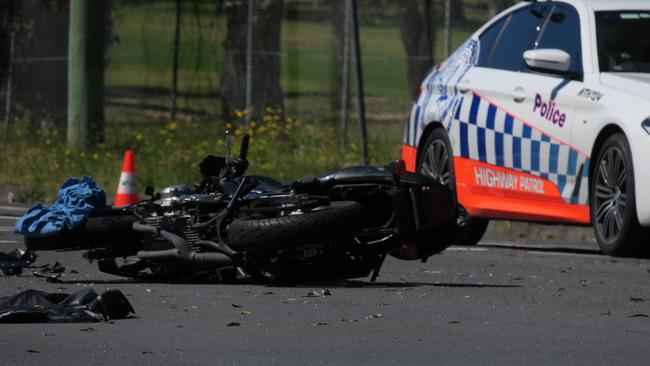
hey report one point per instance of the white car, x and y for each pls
(543, 115)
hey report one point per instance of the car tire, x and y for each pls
(436, 160)
(612, 199)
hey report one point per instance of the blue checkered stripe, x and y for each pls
(481, 131)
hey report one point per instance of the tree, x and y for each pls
(418, 36)
(496, 6)
(267, 24)
(457, 10)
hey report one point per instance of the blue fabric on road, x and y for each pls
(78, 198)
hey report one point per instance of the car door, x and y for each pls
(513, 145)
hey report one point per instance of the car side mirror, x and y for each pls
(548, 60)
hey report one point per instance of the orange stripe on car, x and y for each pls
(488, 190)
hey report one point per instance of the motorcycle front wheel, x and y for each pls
(339, 219)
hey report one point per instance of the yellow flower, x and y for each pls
(171, 125)
(138, 136)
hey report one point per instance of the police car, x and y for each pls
(544, 115)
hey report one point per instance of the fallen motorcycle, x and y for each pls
(336, 226)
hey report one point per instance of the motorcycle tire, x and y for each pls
(338, 220)
(93, 233)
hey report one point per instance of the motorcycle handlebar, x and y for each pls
(243, 150)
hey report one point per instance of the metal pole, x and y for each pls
(345, 72)
(249, 64)
(177, 36)
(12, 33)
(359, 78)
(85, 72)
(447, 28)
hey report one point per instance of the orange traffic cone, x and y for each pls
(127, 190)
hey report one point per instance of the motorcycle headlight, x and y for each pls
(646, 125)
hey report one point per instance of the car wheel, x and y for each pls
(612, 199)
(435, 160)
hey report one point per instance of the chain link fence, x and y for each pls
(214, 60)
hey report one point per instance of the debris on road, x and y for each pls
(33, 306)
(320, 293)
(12, 263)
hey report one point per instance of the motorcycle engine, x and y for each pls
(178, 210)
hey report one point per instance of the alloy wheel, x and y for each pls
(436, 163)
(610, 194)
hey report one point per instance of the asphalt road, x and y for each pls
(496, 303)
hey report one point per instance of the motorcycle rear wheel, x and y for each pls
(93, 233)
(340, 219)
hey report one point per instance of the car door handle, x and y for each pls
(518, 94)
(464, 86)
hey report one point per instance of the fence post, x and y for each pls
(345, 72)
(359, 78)
(10, 60)
(447, 28)
(249, 64)
(85, 72)
(177, 36)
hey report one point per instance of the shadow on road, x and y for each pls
(284, 284)
(542, 248)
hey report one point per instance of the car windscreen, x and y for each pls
(623, 42)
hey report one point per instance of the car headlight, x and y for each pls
(646, 125)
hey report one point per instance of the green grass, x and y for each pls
(142, 55)
(168, 153)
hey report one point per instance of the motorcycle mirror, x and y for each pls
(397, 167)
(148, 191)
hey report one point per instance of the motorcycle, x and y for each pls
(337, 226)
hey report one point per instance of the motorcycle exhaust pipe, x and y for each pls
(181, 251)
